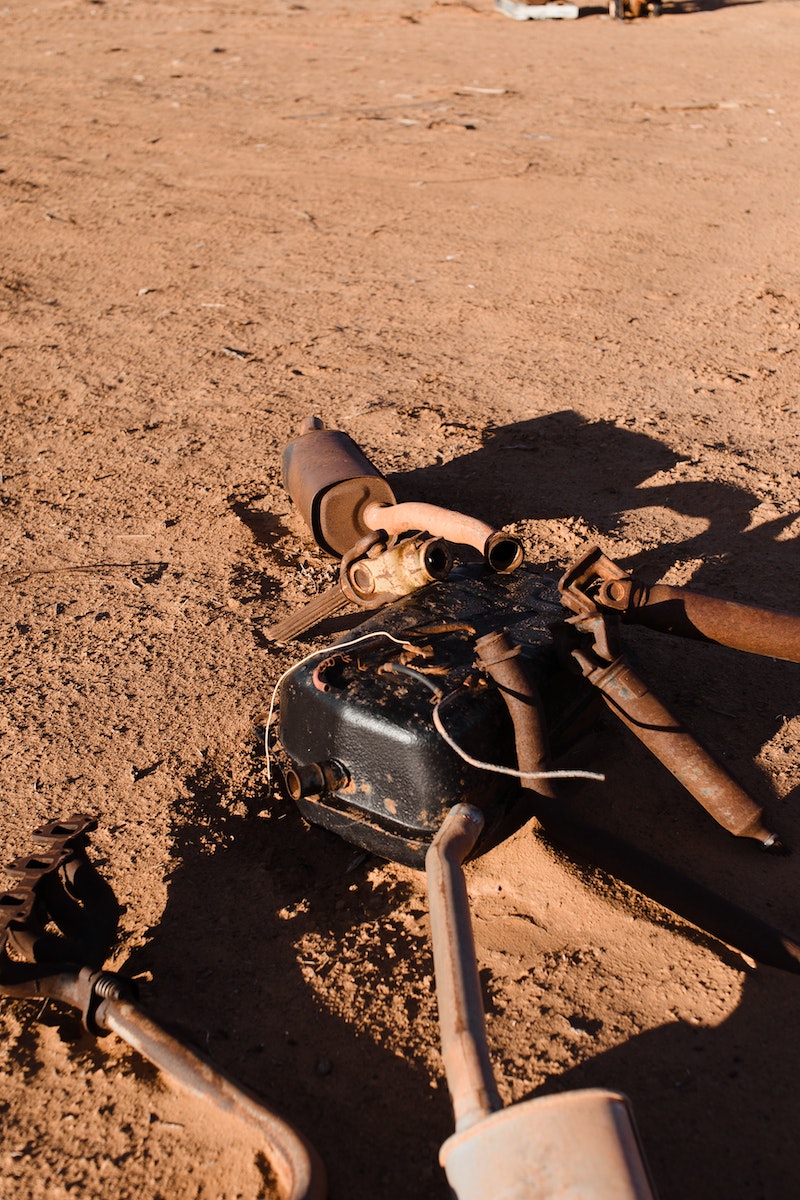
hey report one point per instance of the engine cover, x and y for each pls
(360, 753)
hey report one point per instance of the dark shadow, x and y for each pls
(266, 528)
(245, 893)
(562, 466)
(714, 1105)
(227, 960)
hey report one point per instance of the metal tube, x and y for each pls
(705, 618)
(499, 657)
(502, 551)
(705, 909)
(465, 1051)
(299, 1171)
(631, 700)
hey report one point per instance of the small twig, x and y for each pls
(9, 577)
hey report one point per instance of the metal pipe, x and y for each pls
(676, 891)
(299, 1171)
(502, 552)
(708, 619)
(473, 1090)
(631, 700)
(500, 658)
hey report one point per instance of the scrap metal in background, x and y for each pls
(553, 10)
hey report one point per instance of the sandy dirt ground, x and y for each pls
(546, 273)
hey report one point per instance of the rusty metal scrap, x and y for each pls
(630, 698)
(595, 583)
(57, 885)
(343, 498)
(465, 1051)
(543, 1149)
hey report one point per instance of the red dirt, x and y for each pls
(547, 273)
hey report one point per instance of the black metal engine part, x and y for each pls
(363, 757)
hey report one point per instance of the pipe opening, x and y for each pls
(438, 560)
(503, 552)
(314, 778)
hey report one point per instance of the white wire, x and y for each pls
(498, 770)
(437, 721)
(327, 650)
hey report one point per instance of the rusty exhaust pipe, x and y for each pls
(581, 1143)
(298, 1169)
(342, 497)
(465, 1051)
(502, 552)
(629, 697)
(710, 912)
(57, 888)
(500, 658)
(595, 582)
(708, 619)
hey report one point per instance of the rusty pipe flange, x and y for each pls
(374, 578)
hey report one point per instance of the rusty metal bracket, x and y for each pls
(594, 583)
(58, 888)
(582, 582)
(56, 885)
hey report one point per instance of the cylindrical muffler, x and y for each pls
(332, 481)
(582, 1145)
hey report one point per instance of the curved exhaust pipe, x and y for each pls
(343, 497)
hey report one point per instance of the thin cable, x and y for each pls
(332, 651)
(498, 770)
(403, 669)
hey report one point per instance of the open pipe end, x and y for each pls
(309, 424)
(437, 559)
(503, 552)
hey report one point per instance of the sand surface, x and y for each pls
(546, 273)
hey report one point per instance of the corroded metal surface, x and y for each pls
(578, 1146)
(500, 658)
(332, 481)
(583, 1145)
(343, 497)
(502, 551)
(465, 1051)
(595, 583)
(631, 699)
